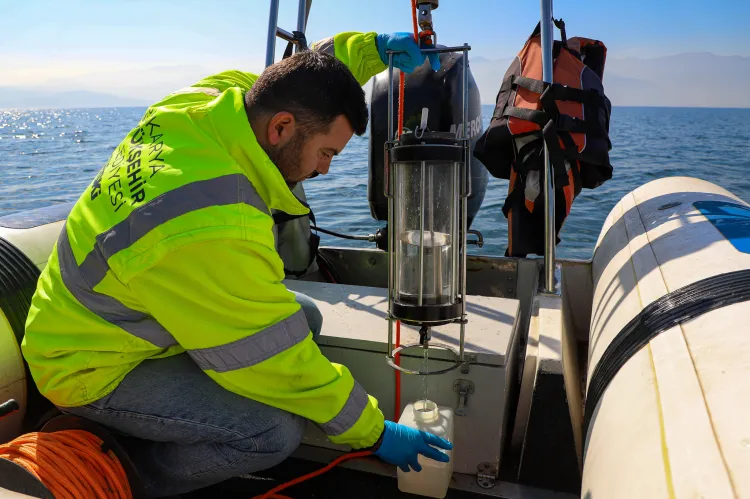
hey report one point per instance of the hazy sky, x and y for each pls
(133, 46)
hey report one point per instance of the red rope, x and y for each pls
(414, 19)
(273, 493)
(401, 76)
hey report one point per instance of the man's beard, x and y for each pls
(288, 159)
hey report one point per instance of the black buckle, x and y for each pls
(565, 122)
(301, 40)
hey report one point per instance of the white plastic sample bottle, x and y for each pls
(435, 476)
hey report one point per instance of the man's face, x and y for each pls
(300, 154)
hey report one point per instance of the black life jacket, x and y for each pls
(571, 116)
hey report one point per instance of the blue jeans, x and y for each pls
(183, 431)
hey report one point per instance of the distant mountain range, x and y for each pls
(684, 80)
(12, 97)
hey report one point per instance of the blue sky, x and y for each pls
(65, 42)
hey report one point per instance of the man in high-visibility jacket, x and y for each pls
(161, 313)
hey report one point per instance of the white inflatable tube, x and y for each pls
(675, 419)
(36, 243)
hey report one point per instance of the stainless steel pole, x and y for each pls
(549, 187)
(422, 193)
(389, 194)
(301, 19)
(464, 198)
(273, 20)
(467, 128)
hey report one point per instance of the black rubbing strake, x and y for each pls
(668, 311)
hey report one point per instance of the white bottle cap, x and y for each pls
(425, 411)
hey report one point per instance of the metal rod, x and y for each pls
(437, 260)
(390, 97)
(454, 229)
(462, 334)
(441, 50)
(464, 204)
(301, 16)
(389, 139)
(549, 188)
(301, 20)
(273, 20)
(464, 91)
(391, 277)
(464, 200)
(467, 137)
(421, 235)
(391, 229)
(286, 36)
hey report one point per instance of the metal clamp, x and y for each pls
(470, 359)
(464, 387)
(391, 362)
(427, 34)
(486, 475)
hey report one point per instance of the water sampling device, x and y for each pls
(463, 347)
(428, 181)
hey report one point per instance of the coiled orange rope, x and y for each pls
(70, 463)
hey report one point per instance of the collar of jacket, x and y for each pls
(231, 127)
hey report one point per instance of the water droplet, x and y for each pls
(745, 442)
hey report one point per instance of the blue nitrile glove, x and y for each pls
(401, 445)
(410, 57)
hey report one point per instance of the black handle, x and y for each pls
(8, 407)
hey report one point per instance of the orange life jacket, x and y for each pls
(571, 116)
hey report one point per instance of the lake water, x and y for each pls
(49, 156)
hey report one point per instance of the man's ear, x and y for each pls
(281, 128)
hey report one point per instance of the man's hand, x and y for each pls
(409, 57)
(402, 445)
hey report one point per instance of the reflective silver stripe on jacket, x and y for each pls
(108, 308)
(326, 46)
(256, 348)
(81, 279)
(214, 92)
(349, 414)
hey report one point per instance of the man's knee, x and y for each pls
(312, 313)
(280, 441)
(288, 435)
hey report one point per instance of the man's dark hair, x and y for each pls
(315, 87)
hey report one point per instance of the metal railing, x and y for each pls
(550, 233)
(274, 31)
